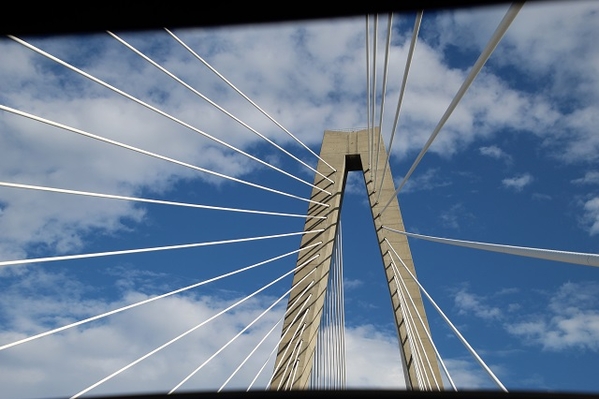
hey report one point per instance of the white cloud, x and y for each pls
(591, 216)
(309, 76)
(373, 359)
(466, 374)
(468, 303)
(351, 284)
(427, 180)
(89, 354)
(518, 182)
(572, 320)
(495, 152)
(569, 319)
(548, 49)
(44, 300)
(590, 177)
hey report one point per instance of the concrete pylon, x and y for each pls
(348, 151)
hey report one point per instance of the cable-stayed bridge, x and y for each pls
(309, 350)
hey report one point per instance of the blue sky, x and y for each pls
(515, 164)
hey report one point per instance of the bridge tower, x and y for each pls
(350, 151)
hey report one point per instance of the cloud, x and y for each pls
(454, 216)
(468, 303)
(495, 152)
(466, 374)
(351, 284)
(309, 76)
(551, 62)
(591, 215)
(428, 180)
(91, 353)
(568, 319)
(43, 300)
(590, 177)
(373, 359)
(517, 183)
(572, 320)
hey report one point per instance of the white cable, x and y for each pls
(383, 95)
(287, 346)
(368, 90)
(150, 249)
(194, 372)
(416, 359)
(142, 103)
(272, 352)
(342, 303)
(579, 258)
(153, 201)
(425, 329)
(133, 305)
(296, 363)
(401, 95)
(296, 352)
(262, 340)
(252, 102)
(151, 154)
(215, 105)
(287, 331)
(453, 328)
(281, 340)
(373, 90)
(183, 334)
(480, 62)
(404, 289)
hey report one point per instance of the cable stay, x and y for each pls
(480, 62)
(250, 354)
(401, 94)
(383, 95)
(294, 354)
(215, 105)
(373, 94)
(152, 108)
(417, 351)
(416, 358)
(254, 104)
(404, 289)
(152, 299)
(247, 327)
(264, 338)
(150, 249)
(261, 369)
(453, 328)
(424, 328)
(300, 324)
(147, 355)
(284, 334)
(153, 201)
(579, 258)
(152, 154)
(368, 90)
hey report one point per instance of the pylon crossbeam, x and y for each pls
(348, 151)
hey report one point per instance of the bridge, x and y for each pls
(276, 239)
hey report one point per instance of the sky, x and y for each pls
(516, 163)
